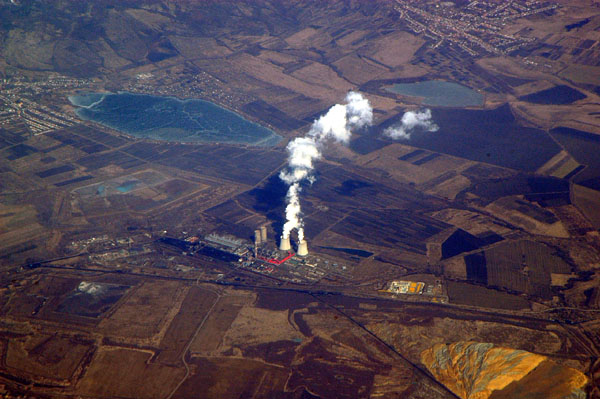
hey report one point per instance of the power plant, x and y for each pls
(285, 246)
(260, 238)
(287, 260)
(261, 255)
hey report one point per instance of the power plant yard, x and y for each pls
(336, 228)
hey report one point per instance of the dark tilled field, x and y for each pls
(487, 136)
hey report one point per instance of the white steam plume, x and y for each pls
(336, 124)
(410, 121)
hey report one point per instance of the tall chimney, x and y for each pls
(284, 245)
(263, 233)
(256, 237)
(302, 248)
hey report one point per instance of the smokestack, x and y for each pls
(284, 245)
(256, 237)
(263, 233)
(302, 248)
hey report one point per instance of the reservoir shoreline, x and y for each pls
(439, 93)
(170, 119)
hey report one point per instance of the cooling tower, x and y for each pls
(284, 245)
(302, 248)
(257, 237)
(263, 233)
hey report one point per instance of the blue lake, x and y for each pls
(439, 93)
(171, 119)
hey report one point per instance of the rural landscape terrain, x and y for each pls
(459, 258)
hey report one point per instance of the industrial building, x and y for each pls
(260, 255)
(227, 241)
(406, 287)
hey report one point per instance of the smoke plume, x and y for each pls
(412, 120)
(337, 124)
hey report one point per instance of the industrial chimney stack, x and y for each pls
(263, 233)
(257, 237)
(256, 242)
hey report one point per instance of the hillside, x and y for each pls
(475, 370)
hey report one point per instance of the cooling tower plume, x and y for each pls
(412, 120)
(337, 124)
